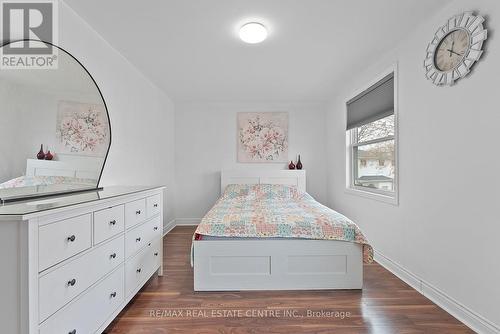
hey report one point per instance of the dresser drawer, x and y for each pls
(63, 239)
(135, 213)
(153, 205)
(141, 235)
(108, 223)
(154, 229)
(89, 312)
(157, 254)
(60, 286)
(139, 268)
(135, 271)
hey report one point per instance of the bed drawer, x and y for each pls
(86, 314)
(141, 235)
(108, 223)
(60, 286)
(153, 205)
(135, 212)
(63, 239)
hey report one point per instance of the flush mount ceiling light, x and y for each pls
(253, 33)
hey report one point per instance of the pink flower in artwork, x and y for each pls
(74, 124)
(66, 123)
(91, 140)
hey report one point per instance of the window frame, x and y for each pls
(391, 197)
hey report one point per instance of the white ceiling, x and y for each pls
(190, 48)
(68, 78)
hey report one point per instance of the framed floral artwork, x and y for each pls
(82, 129)
(263, 137)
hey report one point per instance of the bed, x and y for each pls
(266, 233)
(76, 171)
(48, 177)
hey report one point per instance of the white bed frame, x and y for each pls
(275, 264)
(79, 167)
(289, 177)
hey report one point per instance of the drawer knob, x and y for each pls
(113, 294)
(138, 212)
(113, 222)
(149, 244)
(72, 332)
(72, 282)
(155, 205)
(72, 238)
(139, 270)
(155, 228)
(137, 239)
(156, 254)
(113, 256)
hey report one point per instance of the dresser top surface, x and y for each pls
(23, 208)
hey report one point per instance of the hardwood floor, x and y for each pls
(168, 304)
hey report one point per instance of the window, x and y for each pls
(371, 141)
(374, 142)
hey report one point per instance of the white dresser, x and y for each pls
(71, 264)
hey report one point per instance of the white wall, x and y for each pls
(446, 227)
(206, 139)
(142, 116)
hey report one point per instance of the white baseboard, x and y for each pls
(187, 221)
(471, 319)
(167, 228)
(180, 222)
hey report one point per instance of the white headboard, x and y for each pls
(288, 177)
(81, 168)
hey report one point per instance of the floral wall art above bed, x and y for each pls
(82, 128)
(263, 137)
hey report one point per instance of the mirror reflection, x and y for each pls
(54, 130)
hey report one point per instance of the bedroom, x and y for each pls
(175, 86)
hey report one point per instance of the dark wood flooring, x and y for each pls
(168, 304)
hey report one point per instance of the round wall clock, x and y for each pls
(455, 48)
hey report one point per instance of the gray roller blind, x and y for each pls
(374, 103)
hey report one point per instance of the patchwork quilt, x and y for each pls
(31, 181)
(277, 211)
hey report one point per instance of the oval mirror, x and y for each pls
(55, 132)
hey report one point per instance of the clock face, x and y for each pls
(455, 47)
(451, 50)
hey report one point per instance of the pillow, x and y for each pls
(236, 190)
(261, 191)
(276, 191)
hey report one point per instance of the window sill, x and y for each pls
(378, 197)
